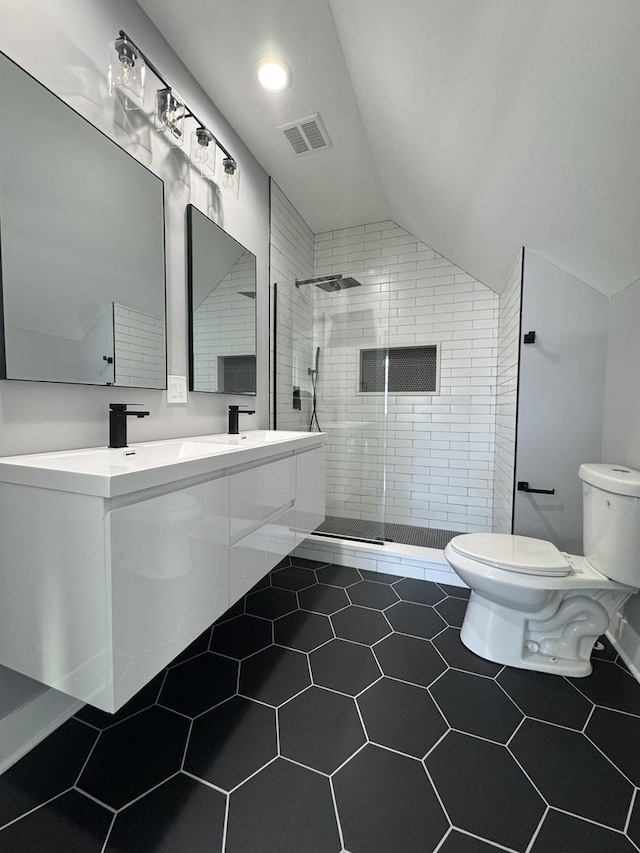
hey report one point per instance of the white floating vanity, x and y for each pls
(114, 560)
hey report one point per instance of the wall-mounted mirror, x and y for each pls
(82, 248)
(222, 309)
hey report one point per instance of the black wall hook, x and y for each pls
(529, 338)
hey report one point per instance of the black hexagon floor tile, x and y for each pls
(618, 736)
(419, 620)
(320, 729)
(476, 705)
(236, 609)
(199, 684)
(199, 645)
(343, 666)
(546, 697)
(458, 656)
(455, 591)
(484, 791)
(293, 578)
(134, 756)
(271, 603)
(71, 823)
(420, 592)
(607, 652)
(571, 773)
(360, 625)
(452, 611)
(339, 575)
(283, 809)
(458, 842)
(386, 803)
(263, 583)
(379, 577)
(274, 675)
(323, 599)
(302, 630)
(610, 686)
(181, 814)
(231, 742)
(144, 698)
(241, 637)
(49, 769)
(372, 594)
(409, 659)
(401, 716)
(563, 832)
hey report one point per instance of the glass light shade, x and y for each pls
(169, 117)
(126, 72)
(228, 181)
(203, 152)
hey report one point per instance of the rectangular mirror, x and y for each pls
(82, 248)
(222, 309)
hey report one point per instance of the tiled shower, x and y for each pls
(423, 460)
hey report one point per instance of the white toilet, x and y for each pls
(535, 607)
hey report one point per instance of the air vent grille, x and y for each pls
(306, 134)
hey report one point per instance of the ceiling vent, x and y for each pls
(306, 134)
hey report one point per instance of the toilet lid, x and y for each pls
(513, 553)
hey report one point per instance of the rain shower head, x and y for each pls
(331, 283)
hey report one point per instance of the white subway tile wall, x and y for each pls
(291, 259)
(438, 449)
(224, 324)
(506, 398)
(139, 348)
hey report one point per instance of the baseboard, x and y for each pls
(626, 641)
(23, 729)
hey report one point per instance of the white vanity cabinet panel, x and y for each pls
(53, 621)
(310, 491)
(169, 578)
(255, 555)
(259, 493)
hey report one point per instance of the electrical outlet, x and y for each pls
(176, 389)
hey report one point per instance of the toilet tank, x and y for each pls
(611, 521)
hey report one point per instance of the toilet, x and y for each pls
(535, 607)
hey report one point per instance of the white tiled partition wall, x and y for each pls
(507, 398)
(139, 347)
(291, 258)
(439, 448)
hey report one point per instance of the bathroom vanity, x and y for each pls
(115, 560)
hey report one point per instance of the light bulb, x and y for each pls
(274, 74)
(126, 73)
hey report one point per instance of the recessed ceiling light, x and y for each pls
(273, 73)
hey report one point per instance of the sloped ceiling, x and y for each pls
(478, 125)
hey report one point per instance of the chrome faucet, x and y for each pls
(234, 411)
(118, 413)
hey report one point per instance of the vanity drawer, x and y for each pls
(258, 493)
(255, 555)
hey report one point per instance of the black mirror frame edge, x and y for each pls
(189, 213)
(3, 355)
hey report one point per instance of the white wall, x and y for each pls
(506, 398)
(63, 43)
(439, 447)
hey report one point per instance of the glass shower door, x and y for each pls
(325, 331)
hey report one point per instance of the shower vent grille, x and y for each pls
(306, 134)
(404, 370)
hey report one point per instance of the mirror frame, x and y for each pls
(3, 357)
(190, 312)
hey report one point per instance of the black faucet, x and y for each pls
(118, 413)
(234, 411)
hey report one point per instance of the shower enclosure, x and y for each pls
(334, 370)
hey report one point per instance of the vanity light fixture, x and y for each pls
(203, 151)
(126, 73)
(274, 74)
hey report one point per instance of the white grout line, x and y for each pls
(203, 781)
(532, 840)
(108, 835)
(225, 825)
(337, 814)
(634, 797)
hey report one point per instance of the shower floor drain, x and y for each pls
(376, 531)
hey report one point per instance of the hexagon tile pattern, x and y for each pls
(332, 710)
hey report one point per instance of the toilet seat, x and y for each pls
(510, 553)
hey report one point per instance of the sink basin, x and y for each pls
(110, 472)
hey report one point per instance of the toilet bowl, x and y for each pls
(535, 607)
